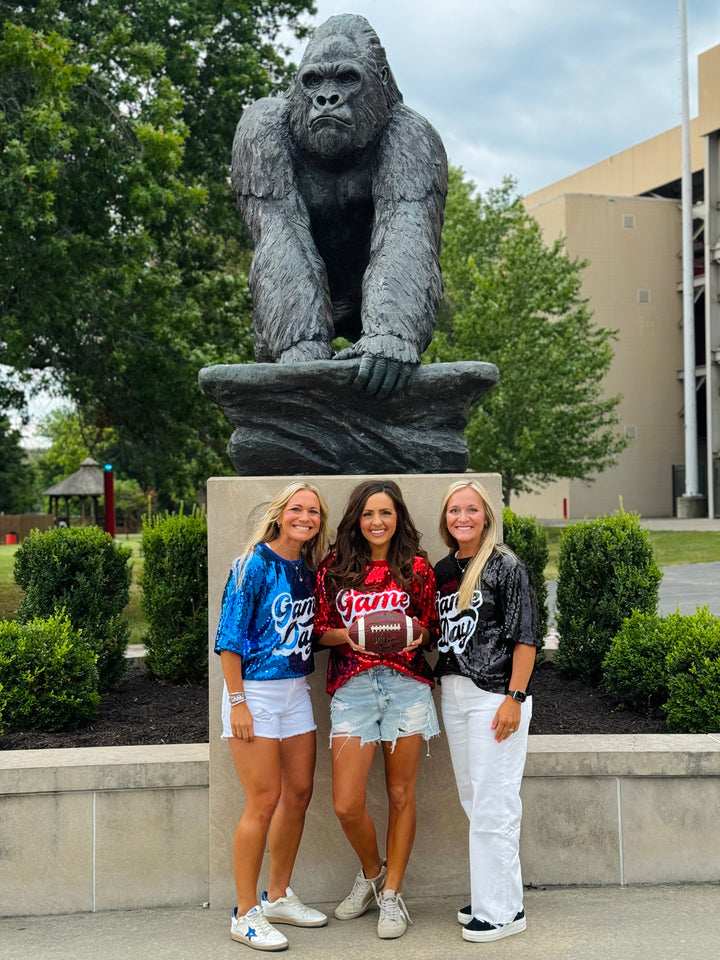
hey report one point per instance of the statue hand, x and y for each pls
(379, 377)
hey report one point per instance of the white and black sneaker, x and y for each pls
(480, 931)
(465, 914)
(253, 929)
(291, 909)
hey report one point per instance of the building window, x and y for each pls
(628, 221)
(643, 296)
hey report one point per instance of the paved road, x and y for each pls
(685, 587)
(575, 923)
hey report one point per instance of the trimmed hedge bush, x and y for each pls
(635, 667)
(606, 570)
(175, 597)
(529, 542)
(85, 573)
(48, 675)
(693, 704)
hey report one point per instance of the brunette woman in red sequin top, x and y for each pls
(377, 564)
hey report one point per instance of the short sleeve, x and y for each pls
(238, 605)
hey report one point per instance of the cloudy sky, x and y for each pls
(538, 88)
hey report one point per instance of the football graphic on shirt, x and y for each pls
(385, 631)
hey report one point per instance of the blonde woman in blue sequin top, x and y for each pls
(264, 641)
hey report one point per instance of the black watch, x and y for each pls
(518, 695)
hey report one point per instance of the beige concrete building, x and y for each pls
(623, 215)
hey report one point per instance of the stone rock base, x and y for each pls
(304, 418)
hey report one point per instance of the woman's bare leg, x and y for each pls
(401, 769)
(351, 766)
(297, 767)
(258, 767)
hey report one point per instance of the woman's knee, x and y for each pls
(349, 809)
(261, 805)
(401, 796)
(297, 796)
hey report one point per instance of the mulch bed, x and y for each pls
(139, 710)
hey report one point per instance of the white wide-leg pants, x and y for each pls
(488, 776)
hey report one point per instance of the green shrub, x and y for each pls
(174, 599)
(48, 674)
(606, 570)
(529, 542)
(635, 667)
(693, 704)
(3, 701)
(84, 572)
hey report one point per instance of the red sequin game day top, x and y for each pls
(378, 592)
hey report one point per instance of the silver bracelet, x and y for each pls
(236, 698)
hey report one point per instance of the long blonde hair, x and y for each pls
(473, 573)
(268, 529)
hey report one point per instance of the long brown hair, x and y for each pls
(352, 551)
(473, 573)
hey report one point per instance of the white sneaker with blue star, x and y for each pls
(253, 929)
(291, 909)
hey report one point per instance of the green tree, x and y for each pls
(517, 302)
(17, 493)
(17, 476)
(124, 267)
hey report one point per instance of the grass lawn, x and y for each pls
(669, 546)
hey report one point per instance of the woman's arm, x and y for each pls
(507, 718)
(336, 636)
(241, 721)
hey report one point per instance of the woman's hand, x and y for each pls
(339, 635)
(507, 719)
(422, 639)
(241, 722)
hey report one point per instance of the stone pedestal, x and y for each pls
(306, 418)
(326, 864)
(688, 508)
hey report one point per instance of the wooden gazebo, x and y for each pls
(87, 482)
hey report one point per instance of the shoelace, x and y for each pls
(359, 890)
(261, 924)
(296, 903)
(393, 907)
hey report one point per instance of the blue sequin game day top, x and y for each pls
(267, 616)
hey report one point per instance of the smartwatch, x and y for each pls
(518, 695)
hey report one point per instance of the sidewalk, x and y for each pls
(579, 923)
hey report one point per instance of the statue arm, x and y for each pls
(402, 287)
(288, 280)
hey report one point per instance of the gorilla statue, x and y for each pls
(342, 188)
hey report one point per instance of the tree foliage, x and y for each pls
(517, 302)
(17, 476)
(123, 269)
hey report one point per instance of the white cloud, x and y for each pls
(538, 88)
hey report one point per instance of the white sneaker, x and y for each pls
(363, 893)
(394, 916)
(291, 909)
(253, 929)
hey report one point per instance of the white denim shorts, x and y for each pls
(383, 704)
(279, 708)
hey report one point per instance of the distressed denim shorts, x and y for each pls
(383, 704)
(279, 708)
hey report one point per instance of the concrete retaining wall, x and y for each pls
(128, 827)
(103, 828)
